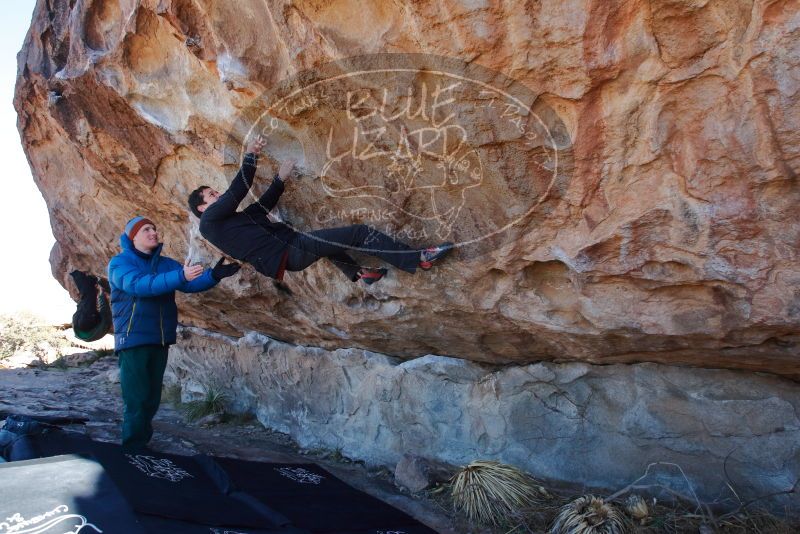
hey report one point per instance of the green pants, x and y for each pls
(141, 370)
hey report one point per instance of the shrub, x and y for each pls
(212, 402)
(26, 332)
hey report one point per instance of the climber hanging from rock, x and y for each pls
(274, 247)
(92, 319)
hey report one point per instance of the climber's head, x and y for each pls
(201, 198)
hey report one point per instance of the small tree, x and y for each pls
(26, 332)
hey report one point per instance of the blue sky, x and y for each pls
(25, 236)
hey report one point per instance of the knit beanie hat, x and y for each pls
(135, 224)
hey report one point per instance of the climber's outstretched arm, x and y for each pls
(268, 199)
(271, 195)
(226, 204)
(229, 201)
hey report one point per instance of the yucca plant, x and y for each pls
(637, 508)
(492, 493)
(212, 402)
(590, 515)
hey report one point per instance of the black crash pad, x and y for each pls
(164, 485)
(62, 494)
(314, 499)
(212, 495)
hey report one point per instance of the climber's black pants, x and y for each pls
(333, 243)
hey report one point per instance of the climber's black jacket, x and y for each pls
(248, 235)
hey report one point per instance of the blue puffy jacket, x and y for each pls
(143, 295)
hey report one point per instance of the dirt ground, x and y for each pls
(85, 385)
(91, 390)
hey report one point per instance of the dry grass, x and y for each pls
(678, 519)
(678, 516)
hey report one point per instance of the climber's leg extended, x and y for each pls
(304, 251)
(333, 243)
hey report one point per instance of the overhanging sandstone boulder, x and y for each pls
(672, 235)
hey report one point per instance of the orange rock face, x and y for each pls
(621, 177)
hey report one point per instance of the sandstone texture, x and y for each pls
(623, 186)
(595, 426)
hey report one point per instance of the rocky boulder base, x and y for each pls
(592, 425)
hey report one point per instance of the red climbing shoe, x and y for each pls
(434, 254)
(370, 276)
